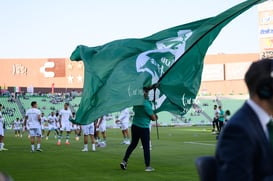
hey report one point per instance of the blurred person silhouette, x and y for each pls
(5, 177)
(215, 122)
(245, 146)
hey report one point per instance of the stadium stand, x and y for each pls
(10, 110)
(201, 115)
(45, 103)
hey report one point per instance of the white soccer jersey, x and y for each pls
(216, 113)
(43, 120)
(32, 115)
(65, 115)
(16, 125)
(124, 115)
(52, 120)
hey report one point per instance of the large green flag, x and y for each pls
(115, 73)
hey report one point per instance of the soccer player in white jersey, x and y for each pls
(33, 119)
(64, 116)
(52, 124)
(22, 127)
(88, 130)
(75, 127)
(1, 131)
(43, 123)
(101, 128)
(57, 122)
(123, 119)
(16, 127)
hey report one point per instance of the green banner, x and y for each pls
(115, 73)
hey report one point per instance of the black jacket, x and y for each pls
(243, 152)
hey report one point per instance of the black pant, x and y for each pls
(144, 135)
(215, 123)
(221, 124)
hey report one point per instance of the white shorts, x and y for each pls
(16, 128)
(88, 129)
(2, 131)
(102, 127)
(35, 132)
(78, 127)
(124, 125)
(51, 127)
(66, 126)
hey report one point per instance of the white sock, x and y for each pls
(38, 146)
(1, 146)
(32, 147)
(93, 147)
(85, 146)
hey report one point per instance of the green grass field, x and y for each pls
(172, 156)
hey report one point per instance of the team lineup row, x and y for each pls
(36, 124)
(140, 128)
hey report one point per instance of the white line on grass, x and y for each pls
(196, 143)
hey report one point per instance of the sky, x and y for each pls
(53, 28)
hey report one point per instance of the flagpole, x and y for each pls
(157, 132)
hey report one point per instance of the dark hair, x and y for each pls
(259, 71)
(227, 112)
(33, 103)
